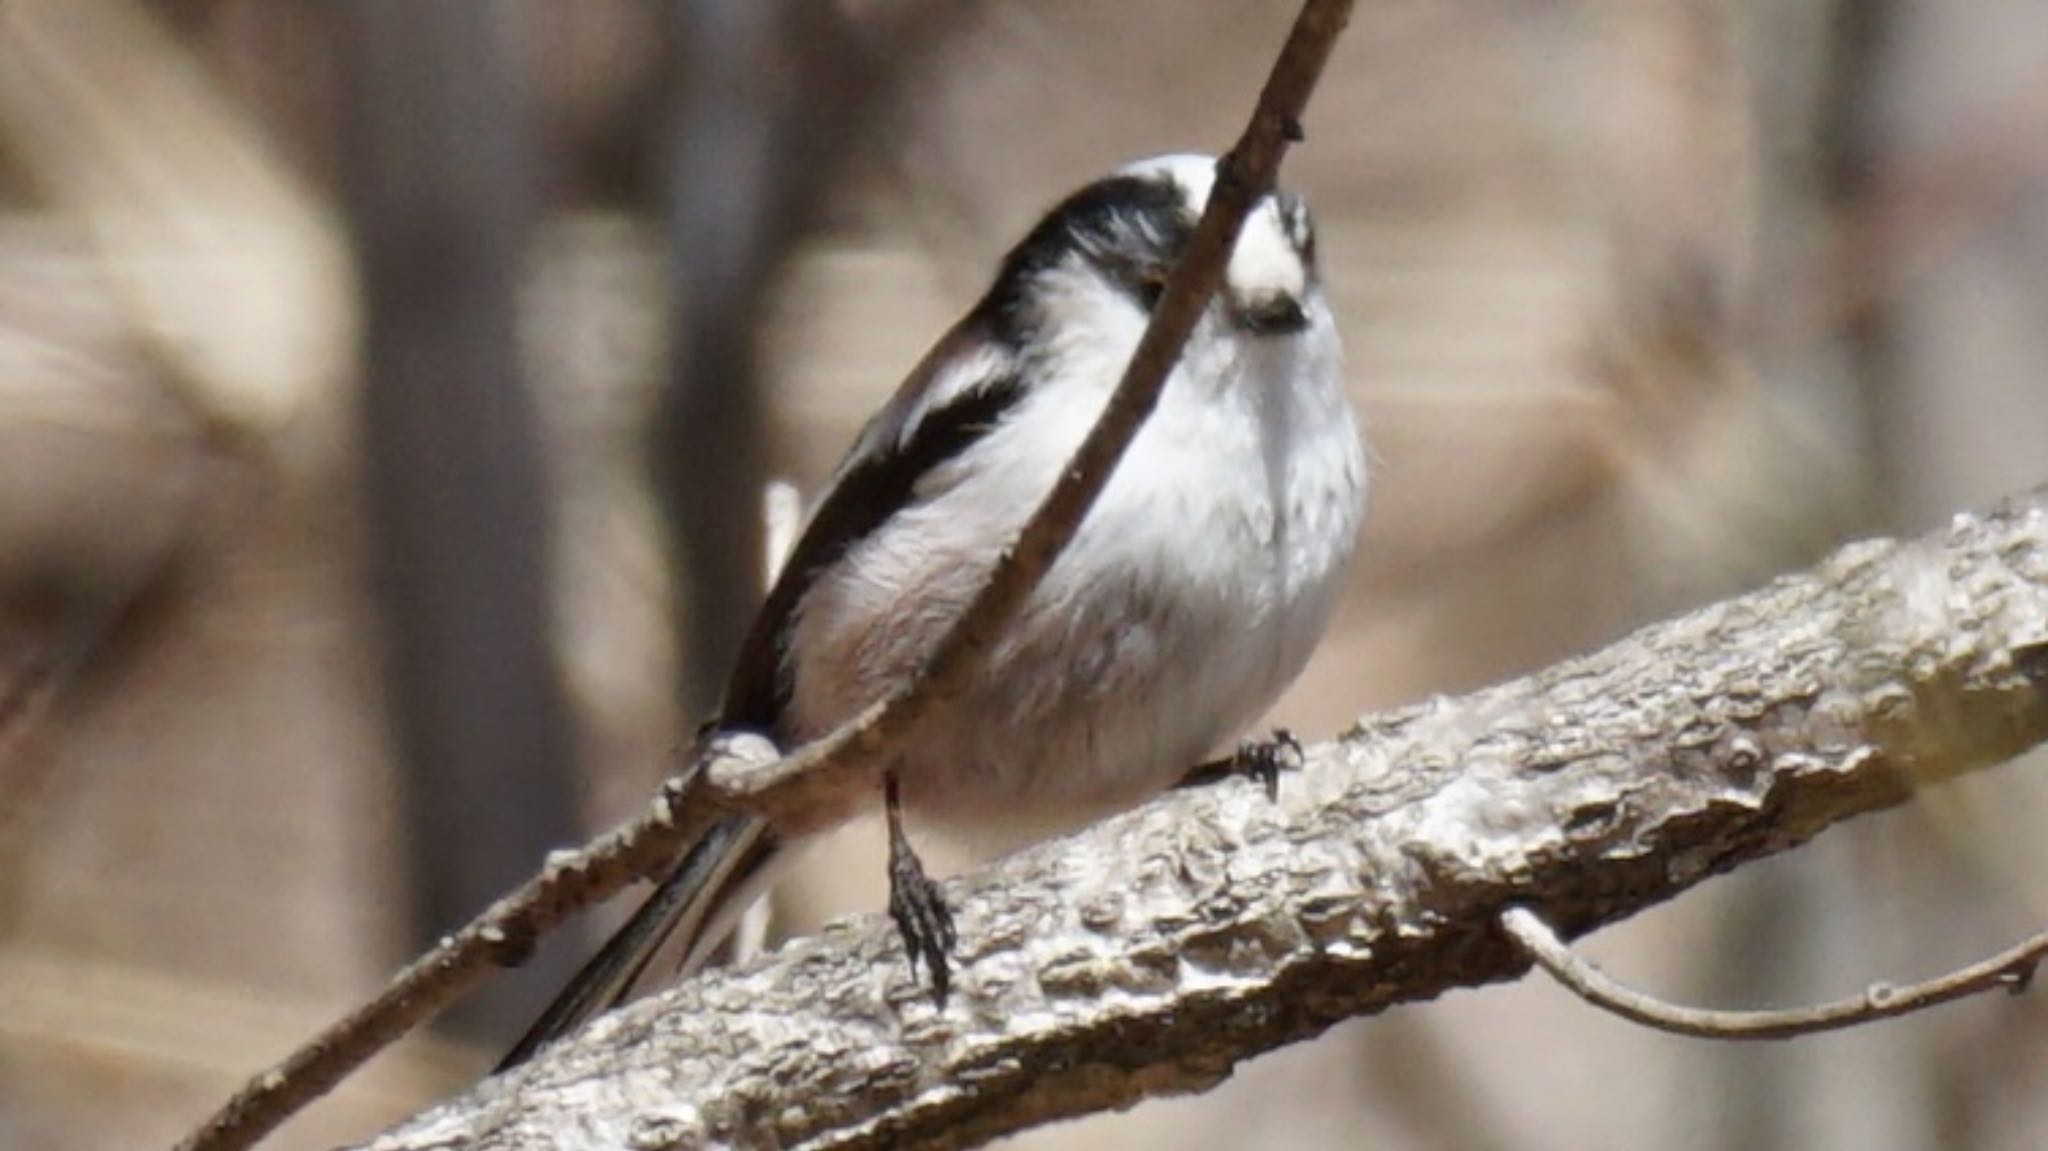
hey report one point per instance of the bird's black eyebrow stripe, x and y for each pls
(866, 495)
(1125, 225)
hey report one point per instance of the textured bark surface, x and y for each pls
(1149, 954)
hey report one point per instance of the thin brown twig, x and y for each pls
(500, 937)
(506, 931)
(2009, 970)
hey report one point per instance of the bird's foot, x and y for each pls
(918, 906)
(1257, 759)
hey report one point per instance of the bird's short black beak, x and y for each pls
(1272, 314)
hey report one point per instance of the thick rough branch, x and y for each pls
(1151, 953)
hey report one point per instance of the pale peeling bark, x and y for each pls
(1149, 954)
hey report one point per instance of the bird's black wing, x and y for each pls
(901, 445)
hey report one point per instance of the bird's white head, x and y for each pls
(1272, 272)
(1100, 259)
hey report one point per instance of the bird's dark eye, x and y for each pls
(1151, 284)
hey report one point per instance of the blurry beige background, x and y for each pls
(1645, 301)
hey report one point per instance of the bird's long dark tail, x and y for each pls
(687, 916)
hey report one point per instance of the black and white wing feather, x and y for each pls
(958, 394)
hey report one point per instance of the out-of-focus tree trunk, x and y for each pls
(441, 178)
(767, 99)
(710, 438)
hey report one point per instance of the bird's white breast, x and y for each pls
(1192, 595)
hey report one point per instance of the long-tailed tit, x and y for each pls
(1191, 596)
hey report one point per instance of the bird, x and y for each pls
(1192, 594)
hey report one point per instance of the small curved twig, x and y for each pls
(2009, 970)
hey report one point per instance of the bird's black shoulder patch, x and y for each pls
(1132, 228)
(869, 490)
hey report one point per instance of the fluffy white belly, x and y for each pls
(1193, 594)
